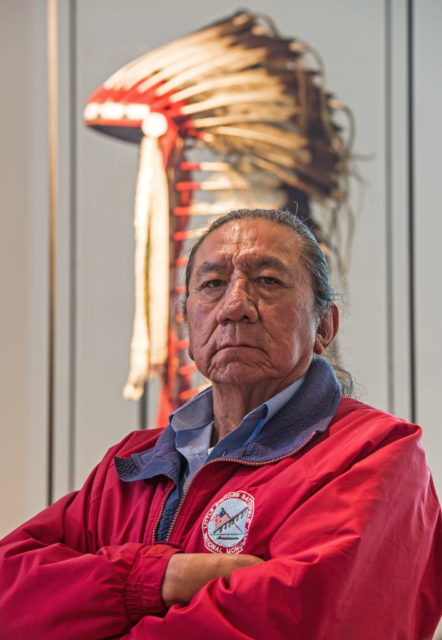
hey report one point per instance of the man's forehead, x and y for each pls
(249, 260)
(253, 238)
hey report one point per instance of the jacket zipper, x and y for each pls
(160, 515)
(244, 462)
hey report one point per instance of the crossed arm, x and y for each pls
(187, 573)
(58, 580)
(53, 587)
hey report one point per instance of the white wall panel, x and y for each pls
(23, 272)
(38, 267)
(105, 172)
(427, 163)
(351, 40)
(64, 415)
(397, 209)
(13, 247)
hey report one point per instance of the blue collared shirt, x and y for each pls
(193, 425)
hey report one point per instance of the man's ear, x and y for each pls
(326, 329)
(186, 320)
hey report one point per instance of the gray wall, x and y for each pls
(390, 331)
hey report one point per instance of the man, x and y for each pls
(271, 507)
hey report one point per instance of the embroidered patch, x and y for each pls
(226, 524)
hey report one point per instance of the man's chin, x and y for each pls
(238, 373)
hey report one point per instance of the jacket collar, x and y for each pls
(309, 411)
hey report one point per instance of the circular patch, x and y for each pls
(226, 524)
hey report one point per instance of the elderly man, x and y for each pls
(271, 507)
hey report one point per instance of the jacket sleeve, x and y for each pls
(358, 559)
(55, 582)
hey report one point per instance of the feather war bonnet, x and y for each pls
(231, 116)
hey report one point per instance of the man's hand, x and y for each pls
(186, 573)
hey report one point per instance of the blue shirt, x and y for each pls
(193, 425)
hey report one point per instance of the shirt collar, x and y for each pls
(199, 411)
(195, 414)
(193, 425)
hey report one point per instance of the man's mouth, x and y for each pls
(238, 345)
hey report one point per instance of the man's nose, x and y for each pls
(237, 303)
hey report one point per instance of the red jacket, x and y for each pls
(343, 512)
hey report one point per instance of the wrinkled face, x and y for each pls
(250, 306)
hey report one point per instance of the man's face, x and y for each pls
(250, 306)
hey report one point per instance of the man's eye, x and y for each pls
(269, 280)
(212, 284)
